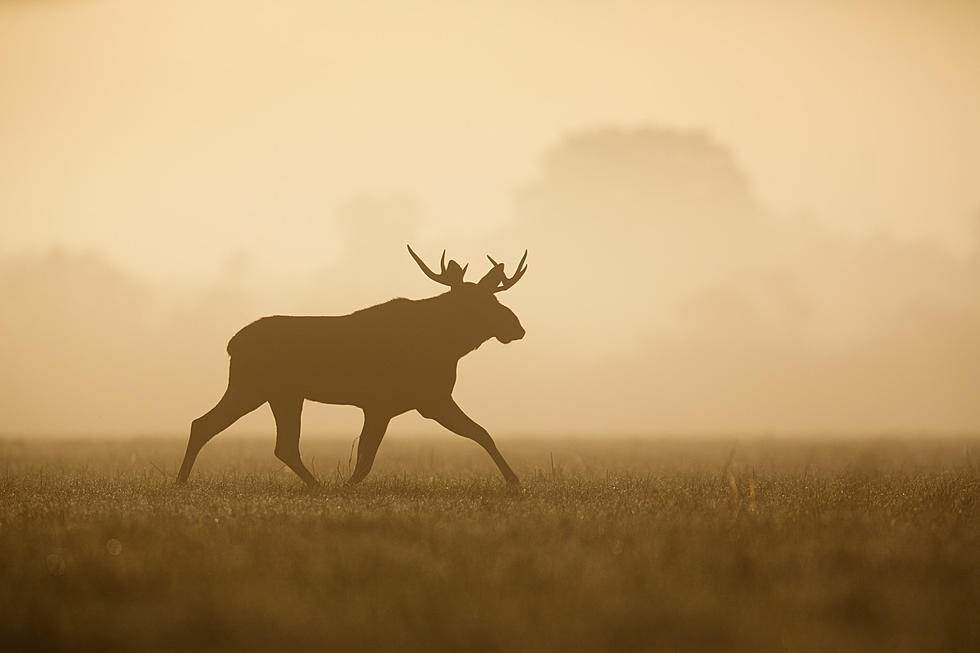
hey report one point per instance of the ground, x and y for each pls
(613, 544)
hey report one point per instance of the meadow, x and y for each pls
(612, 544)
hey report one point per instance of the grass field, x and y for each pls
(613, 544)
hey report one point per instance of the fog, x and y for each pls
(732, 228)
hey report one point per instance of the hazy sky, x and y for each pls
(742, 216)
(174, 136)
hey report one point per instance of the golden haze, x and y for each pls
(762, 217)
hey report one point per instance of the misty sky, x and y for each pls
(742, 217)
(177, 136)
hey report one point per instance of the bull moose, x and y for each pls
(387, 360)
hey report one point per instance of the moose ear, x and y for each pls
(492, 279)
(454, 274)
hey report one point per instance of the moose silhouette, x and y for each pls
(387, 360)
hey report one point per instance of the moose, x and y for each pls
(387, 360)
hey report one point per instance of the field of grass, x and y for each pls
(612, 544)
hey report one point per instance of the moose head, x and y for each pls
(477, 302)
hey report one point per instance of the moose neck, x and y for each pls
(458, 331)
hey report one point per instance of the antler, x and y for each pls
(451, 276)
(499, 281)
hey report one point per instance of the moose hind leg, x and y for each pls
(453, 418)
(288, 414)
(232, 406)
(367, 444)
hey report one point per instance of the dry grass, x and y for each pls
(613, 545)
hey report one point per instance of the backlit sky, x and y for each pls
(742, 216)
(174, 136)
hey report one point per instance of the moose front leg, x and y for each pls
(450, 415)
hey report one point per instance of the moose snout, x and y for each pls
(516, 332)
(508, 328)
